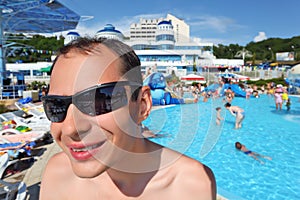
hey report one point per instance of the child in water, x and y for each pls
(288, 104)
(218, 117)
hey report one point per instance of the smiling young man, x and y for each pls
(96, 103)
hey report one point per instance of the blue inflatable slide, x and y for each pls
(157, 83)
(238, 91)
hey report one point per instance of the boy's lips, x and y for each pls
(84, 152)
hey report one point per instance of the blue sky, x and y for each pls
(218, 21)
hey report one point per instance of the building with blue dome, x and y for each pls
(109, 31)
(165, 35)
(72, 35)
(163, 45)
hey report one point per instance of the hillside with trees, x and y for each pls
(40, 48)
(31, 49)
(261, 51)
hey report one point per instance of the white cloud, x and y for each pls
(260, 37)
(219, 23)
(123, 24)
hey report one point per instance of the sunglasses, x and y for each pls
(97, 100)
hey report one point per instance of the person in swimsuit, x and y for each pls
(278, 100)
(253, 154)
(238, 113)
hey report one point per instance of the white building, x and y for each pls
(162, 45)
(145, 30)
(109, 31)
(72, 35)
(181, 29)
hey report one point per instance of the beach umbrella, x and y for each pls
(293, 78)
(295, 69)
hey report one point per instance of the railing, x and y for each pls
(262, 74)
(12, 91)
(30, 79)
(16, 91)
(253, 75)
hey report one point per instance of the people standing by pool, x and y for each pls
(284, 96)
(96, 104)
(271, 91)
(255, 92)
(248, 91)
(250, 153)
(237, 112)
(229, 95)
(278, 98)
(262, 89)
(218, 115)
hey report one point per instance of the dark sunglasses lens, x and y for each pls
(101, 100)
(117, 95)
(56, 109)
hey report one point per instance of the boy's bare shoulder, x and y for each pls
(195, 178)
(191, 178)
(59, 159)
(58, 166)
(55, 176)
(190, 167)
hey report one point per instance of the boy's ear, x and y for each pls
(145, 103)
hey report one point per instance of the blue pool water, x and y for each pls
(191, 129)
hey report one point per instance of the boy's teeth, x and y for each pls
(85, 148)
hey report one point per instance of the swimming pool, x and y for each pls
(191, 129)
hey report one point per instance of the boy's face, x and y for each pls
(92, 143)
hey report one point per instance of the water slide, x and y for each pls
(158, 88)
(235, 88)
(212, 87)
(293, 79)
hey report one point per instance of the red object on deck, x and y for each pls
(192, 77)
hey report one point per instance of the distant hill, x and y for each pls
(265, 50)
(40, 48)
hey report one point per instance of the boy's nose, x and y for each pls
(76, 122)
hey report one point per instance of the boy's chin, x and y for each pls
(88, 172)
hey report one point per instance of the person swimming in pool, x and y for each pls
(253, 154)
(238, 113)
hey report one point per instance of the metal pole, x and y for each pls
(2, 59)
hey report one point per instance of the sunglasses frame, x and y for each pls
(71, 99)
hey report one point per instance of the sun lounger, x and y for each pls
(4, 163)
(12, 191)
(33, 123)
(32, 109)
(13, 149)
(13, 135)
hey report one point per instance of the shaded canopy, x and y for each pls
(295, 69)
(36, 16)
(45, 69)
(32, 16)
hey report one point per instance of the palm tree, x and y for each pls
(243, 54)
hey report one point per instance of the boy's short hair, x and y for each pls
(130, 63)
(218, 108)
